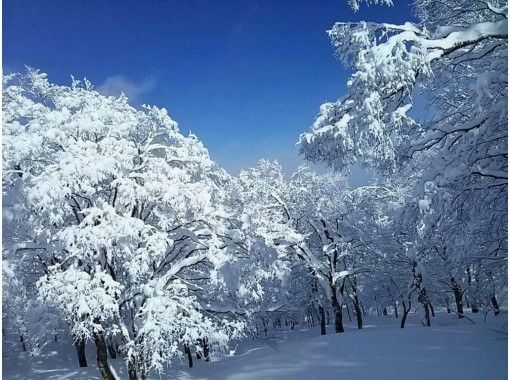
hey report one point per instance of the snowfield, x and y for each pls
(450, 349)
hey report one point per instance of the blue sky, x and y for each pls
(246, 76)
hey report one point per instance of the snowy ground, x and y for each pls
(450, 349)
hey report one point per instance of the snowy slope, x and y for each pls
(451, 349)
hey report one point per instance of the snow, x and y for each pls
(450, 349)
(122, 228)
(424, 205)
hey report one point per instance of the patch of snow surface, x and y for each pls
(450, 349)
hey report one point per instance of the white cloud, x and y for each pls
(114, 85)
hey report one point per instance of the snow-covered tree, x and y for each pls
(427, 100)
(326, 230)
(132, 211)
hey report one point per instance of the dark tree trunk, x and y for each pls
(339, 326)
(187, 350)
(432, 309)
(355, 302)
(357, 310)
(204, 352)
(22, 341)
(384, 312)
(470, 302)
(205, 346)
(112, 351)
(458, 298)
(102, 356)
(476, 302)
(404, 314)
(424, 300)
(323, 320)
(427, 313)
(79, 344)
(132, 372)
(495, 304)
(396, 310)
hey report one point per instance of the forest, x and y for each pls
(123, 236)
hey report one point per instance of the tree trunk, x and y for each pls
(355, 301)
(102, 356)
(22, 341)
(424, 300)
(323, 320)
(143, 375)
(396, 310)
(458, 298)
(205, 346)
(357, 310)
(79, 344)
(142, 369)
(132, 372)
(432, 309)
(204, 352)
(111, 350)
(477, 284)
(404, 314)
(427, 313)
(339, 326)
(187, 350)
(495, 304)
(470, 300)
(348, 312)
(200, 348)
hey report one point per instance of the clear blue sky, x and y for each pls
(246, 76)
